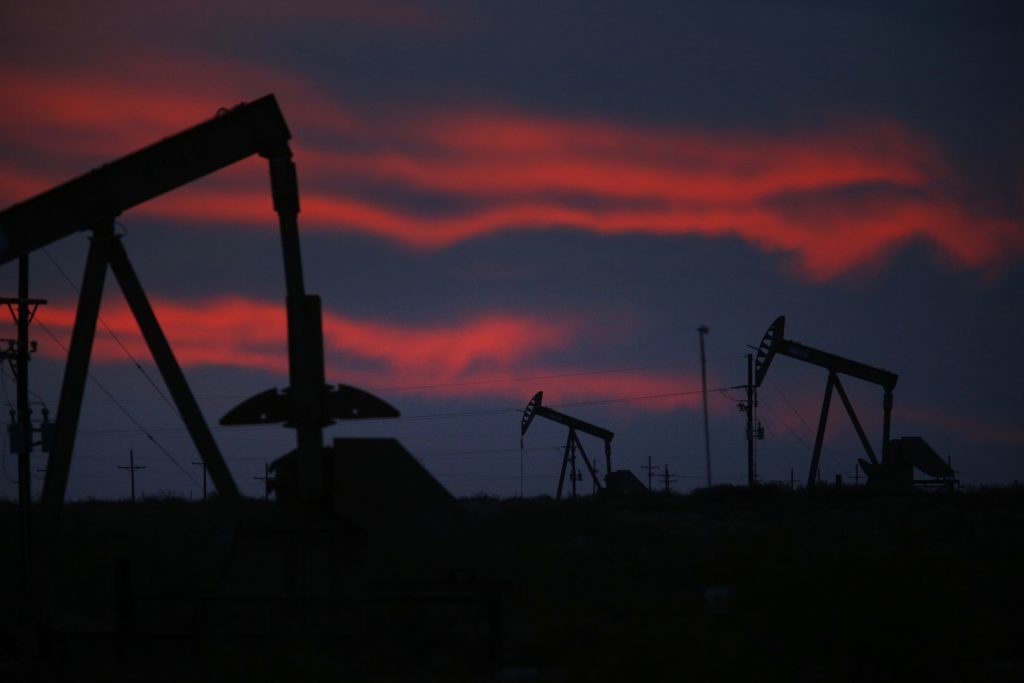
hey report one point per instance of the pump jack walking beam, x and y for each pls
(99, 196)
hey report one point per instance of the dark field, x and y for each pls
(726, 584)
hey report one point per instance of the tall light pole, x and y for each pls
(701, 331)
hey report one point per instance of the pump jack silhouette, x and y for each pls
(92, 202)
(899, 456)
(572, 443)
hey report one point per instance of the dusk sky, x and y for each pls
(501, 198)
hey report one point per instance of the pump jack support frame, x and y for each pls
(107, 249)
(572, 445)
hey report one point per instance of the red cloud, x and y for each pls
(496, 355)
(835, 199)
(79, 117)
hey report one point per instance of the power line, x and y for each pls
(124, 410)
(226, 397)
(527, 378)
(628, 399)
(791, 406)
(138, 366)
(509, 477)
(518, 411)
(3, 371)
(489, 451)
(790, 429)
(702, 476)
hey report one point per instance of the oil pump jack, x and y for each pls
(93, 201)
(535, 408)
(333, 497)
(899, 456)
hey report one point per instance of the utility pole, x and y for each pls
(203, 464)
(751, 477)
(23, 310)
(522, 447)
(701, 331)
(650, 473)
(667, 479)
(131, 469)
(266, 480)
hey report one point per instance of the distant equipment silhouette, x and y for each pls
(621, 482)
(899, 457)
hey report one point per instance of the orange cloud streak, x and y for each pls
(850, 240)
(622, 163)
(835, 199)
(497, 355)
